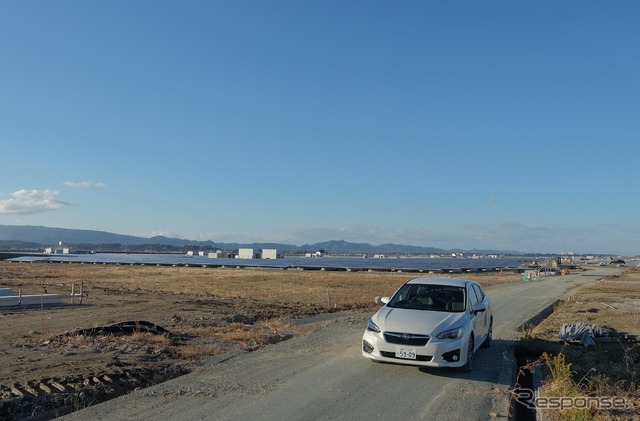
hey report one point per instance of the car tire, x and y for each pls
(468, 365)
(487, 341)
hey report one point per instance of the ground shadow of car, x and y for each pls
(496, 364)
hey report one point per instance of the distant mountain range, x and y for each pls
(21, 237)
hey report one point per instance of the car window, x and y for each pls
(473, 295)
(478, 289)
(429, 297)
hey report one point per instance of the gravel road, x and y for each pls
(323, 376)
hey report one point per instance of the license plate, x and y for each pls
(403, 352)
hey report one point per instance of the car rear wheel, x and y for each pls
(469, 363)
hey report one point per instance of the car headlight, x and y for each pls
(372, 326)
(451, 333)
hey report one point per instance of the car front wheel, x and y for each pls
(469, 364)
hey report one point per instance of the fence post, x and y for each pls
(42, 309)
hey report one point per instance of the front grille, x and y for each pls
(406, 339)
(418, 357)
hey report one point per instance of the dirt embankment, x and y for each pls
(53, 361)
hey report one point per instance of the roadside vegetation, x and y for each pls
(610, 369)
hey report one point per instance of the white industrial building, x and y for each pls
(218, 254)
(269, 253)
(245, 254)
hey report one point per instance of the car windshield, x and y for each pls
(430, 297)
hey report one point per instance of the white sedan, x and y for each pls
(433, 322)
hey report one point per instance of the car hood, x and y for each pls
(416, 321)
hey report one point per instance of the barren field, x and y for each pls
(57, 359)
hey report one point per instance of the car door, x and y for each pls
(485, 316)
(478, 319)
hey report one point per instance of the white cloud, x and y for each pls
(31, 201)
(160, 233)
(82, 184)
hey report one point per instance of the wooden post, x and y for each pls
(81, 285)
(73, 287)
(20, 296)
(42, 309)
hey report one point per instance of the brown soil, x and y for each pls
(50, 366)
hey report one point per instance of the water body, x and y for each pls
(330, 263)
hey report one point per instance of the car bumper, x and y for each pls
(436, 353)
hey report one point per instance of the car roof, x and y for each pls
(440, 281)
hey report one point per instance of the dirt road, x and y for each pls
(323, 376)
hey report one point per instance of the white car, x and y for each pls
(432, 322)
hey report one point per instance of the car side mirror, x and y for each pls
(479, 307)
(382, 300)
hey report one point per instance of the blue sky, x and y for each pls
(458, 124)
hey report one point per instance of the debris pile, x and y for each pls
(583, 332)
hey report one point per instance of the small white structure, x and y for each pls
(57, 250)
(314, 254)
(269, 253)
(244, 254)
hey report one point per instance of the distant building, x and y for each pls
(245, 254)
(314, 254)
(57, 250)
(218, 254)
(269, 253)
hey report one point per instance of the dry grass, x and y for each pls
(236, 336)
(103, 343)
(198, 351)
(321, 288)
(195, 331)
